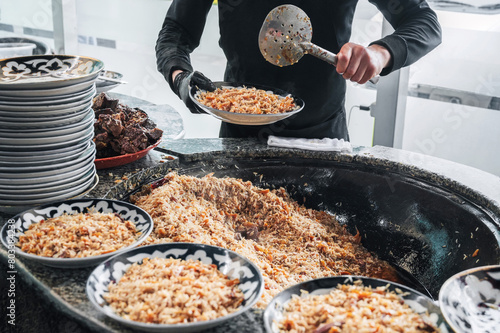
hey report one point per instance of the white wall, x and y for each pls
(467, 60)
(34, 14)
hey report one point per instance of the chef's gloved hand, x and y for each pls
(184, 81)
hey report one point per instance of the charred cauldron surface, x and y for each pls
(430, 232)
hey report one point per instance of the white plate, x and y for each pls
(35, 161)
(15, 109)
(44, 156)
(16, 208)
(246, 118)
(30, 148)
(103, 85)
(46, 122)
(46, 140)
(24, 102)
(47, 71)
(47, 187)
(22, 168)
(52, 92)
(30, 113)
(57, 184)
(45, 194)
(58, 178)
(50, 99)
(44, 132)
(18, 177)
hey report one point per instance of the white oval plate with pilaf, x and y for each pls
(247, 118)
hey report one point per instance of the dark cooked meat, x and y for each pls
(154, 134)
(132, 140)
(136, 116)
(101, 140)
(148, 123)
(103, 101)
(120, 129)
(111, 124)
(98, 112)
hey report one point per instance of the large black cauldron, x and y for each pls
(424, 228)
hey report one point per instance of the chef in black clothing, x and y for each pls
(321, 85)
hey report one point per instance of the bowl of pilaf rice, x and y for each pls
(175, 287)
(246, 104)
(352, 304)
(76, 233)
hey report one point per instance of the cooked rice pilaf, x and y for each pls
(246, 100)
(352, 308)
(288, 242)
(174, 291)
(78, 235)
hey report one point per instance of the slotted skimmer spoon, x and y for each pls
(285, 36)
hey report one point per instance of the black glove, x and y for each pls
(183, 83)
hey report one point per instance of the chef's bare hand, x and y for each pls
(359, 64)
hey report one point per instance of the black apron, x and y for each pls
(313, 80)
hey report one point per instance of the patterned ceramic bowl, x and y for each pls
(416, 301)
(228, 262)
(104, 85)
(47, 71)
(470, 300)
(20, 223)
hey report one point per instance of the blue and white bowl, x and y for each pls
(46, 71)
(228, 262)
(20, 223)
(417, 301)
(470, 300)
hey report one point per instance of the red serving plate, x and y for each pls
(109, 162)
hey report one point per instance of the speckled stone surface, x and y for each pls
(64, 290)
(164, 116)
(479, 186)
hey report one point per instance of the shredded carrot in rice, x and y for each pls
(288, 242)
(352, 308)
(174, 291)
(247, 100)
(78, 235)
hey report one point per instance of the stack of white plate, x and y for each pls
(46, 129)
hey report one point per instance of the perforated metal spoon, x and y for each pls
(285, 36)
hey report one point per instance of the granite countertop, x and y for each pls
(63, 291)
(165, 116)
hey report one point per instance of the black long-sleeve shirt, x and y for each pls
(417, 32)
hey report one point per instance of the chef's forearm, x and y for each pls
(180, 35)
(417, 32)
